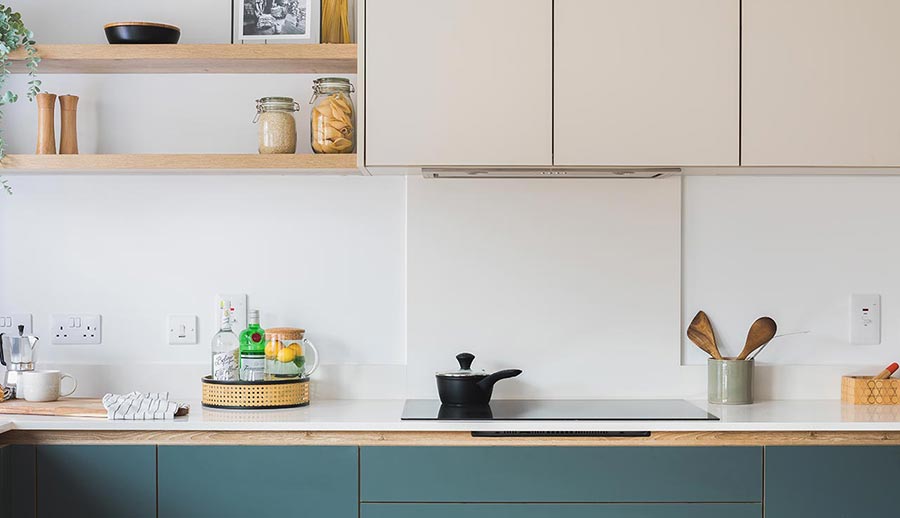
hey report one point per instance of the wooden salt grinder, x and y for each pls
(68, 134)
(46, 137)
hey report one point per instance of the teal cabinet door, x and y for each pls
(547, 474)
(561, 511)
(20, 484)
(96, 481)
(832, 481)
(4, 479)
(258, 481)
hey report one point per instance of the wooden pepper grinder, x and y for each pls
(46, 137)
(68, 134)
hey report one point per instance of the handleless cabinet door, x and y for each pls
(820, 83)
(831, 481)
(561, 511)
(94, 481)
(609, 474)
(258, 481)
(647, 82)
(456, 83)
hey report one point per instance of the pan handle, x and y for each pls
(488, 382)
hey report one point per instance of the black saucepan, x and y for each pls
(466, 387)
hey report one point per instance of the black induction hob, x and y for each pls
(560, 410)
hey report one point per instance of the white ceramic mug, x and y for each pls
(43, 385)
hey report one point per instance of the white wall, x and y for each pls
(322, 253)
(65, 21)
(574, 281)
(795, 249)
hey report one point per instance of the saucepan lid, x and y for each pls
(465, 368)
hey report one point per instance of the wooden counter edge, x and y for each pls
(393, 438)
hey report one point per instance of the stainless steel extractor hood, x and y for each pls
(557, 173)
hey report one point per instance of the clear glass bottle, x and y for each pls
(225, 347)
(277, 126)
(333, 117)
(253, 349)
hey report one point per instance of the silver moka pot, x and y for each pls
(17, 355)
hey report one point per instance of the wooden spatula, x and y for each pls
(701, 333)
(761, 332)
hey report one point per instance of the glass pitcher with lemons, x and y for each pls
(286, 354)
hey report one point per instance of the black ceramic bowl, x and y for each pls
(141, 32)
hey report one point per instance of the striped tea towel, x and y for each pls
(135, 406)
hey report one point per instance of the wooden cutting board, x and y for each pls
(69, 407)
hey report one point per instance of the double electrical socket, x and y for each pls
(75, 329)
(9, 324)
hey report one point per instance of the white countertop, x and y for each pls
(384, 415)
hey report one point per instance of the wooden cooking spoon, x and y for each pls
(701, 333)
(759, 335)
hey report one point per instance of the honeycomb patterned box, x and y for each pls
(863, 390)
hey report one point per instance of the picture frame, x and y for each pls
(272, 21)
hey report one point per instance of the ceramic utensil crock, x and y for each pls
(730, 382)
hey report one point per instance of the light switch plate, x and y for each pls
(238, 313)
(75, 329)
(182, 329)
(865, 319)
(10, 323)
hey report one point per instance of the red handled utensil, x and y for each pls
(886, 373)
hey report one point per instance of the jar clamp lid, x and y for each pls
(273, 104)
(329, 85)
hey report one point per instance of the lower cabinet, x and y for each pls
(100, 481)
(4, 478)
(258, 481)
(561, 511)
(831, 481)
(96, 481)
(19, 492)
(606, 474)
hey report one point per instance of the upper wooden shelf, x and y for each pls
(287, 164)
(192, 59)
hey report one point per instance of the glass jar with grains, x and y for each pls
(332, 118)
(277, 127)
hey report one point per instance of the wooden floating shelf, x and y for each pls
(288, 164)
(192, 59)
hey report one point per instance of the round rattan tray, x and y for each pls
(255, 395)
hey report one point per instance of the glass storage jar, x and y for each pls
(277, 126)
(286, 350)
(332, 118)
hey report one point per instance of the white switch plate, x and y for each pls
(10, 323)
(75, 329)
(182, 329)
(865, 319)
(238, 313)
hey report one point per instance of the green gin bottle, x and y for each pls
(253, 349)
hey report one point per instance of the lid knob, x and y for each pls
(465, 360)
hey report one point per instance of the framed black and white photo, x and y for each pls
(274, 20)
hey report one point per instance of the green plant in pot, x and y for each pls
(15, 35)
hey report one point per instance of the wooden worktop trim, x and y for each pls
(444, 438)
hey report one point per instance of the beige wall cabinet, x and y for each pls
(820, 83)
(465, 82)
(647, 82)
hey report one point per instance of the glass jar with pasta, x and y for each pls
(332, 117)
